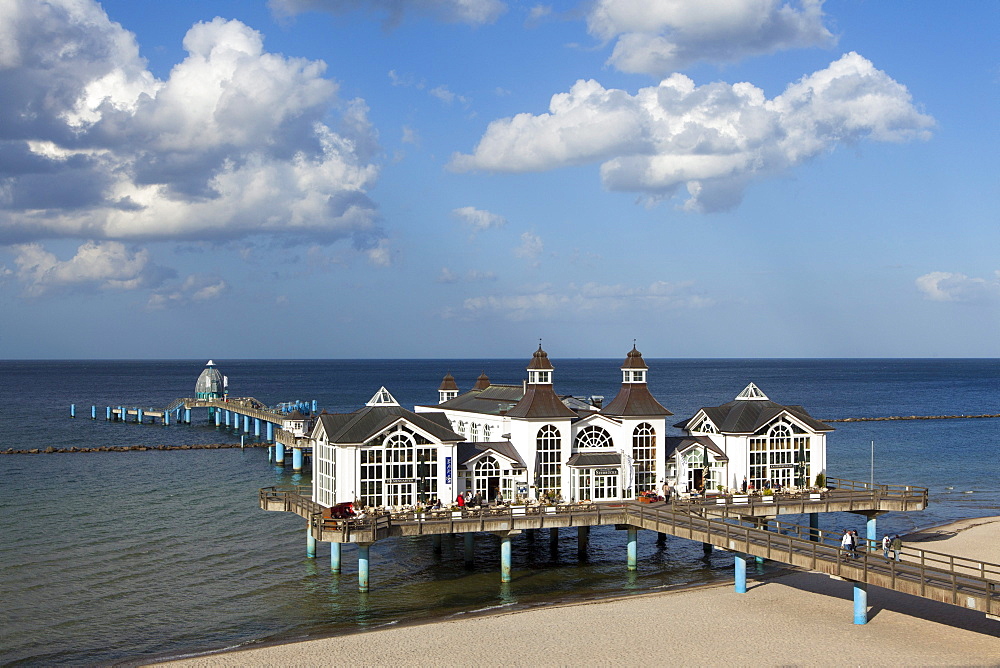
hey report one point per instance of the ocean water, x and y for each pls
(126, 557)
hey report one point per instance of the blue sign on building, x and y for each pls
(447, 470)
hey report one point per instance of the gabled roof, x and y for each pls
(363, 424)
(382, 398)
(468, 451)
(682, 444)
(748, 415)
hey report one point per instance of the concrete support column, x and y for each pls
(505, 558)
(436, 543)
(270, 432)
(256, 427)
(860, 602)
(814, 527)
(582, 541)
(187, 415)
(246, 424)
(225, 418)
(279, 454)
(335, 557)
(121, 413)
(166, 418)
(72, 410)
(363, 566)
(469, 547)
(93, 412)
(296, 459)
(138, 415)
(310, 543)
(554, 538)
(870, 531)
(218, 417)
(741, 574)
(633, 540)
(107, 416)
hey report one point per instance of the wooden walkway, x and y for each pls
(941, 577)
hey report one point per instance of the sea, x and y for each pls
(122, 558)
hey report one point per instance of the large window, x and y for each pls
(593, 437)
(487, 478)
(548, 446)
(371, 477)
(644, 456)
(779, 457)
(325, 474)
(400, 469)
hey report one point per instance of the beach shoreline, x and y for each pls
(902, 629)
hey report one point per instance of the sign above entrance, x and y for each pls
(605, 471)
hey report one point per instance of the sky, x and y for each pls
(466, 178)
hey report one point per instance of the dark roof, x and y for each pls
(747, 416)
(635, 400)
(362, 424)
(467, 451)
(482, 382)
(448, 384)
(540, 360)
(489, 401)
(540, 401)
(591, 459)
(634, 360)
(294, 415)
(682, 444)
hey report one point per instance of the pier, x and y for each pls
(747, 527)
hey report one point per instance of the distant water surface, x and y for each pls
(125, 557)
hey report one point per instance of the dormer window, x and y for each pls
(634, 376)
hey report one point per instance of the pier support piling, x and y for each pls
(270, 432)
(469, 547)
(363, 566)
(505, 552)
(93, 412)
(741, 574)
(187, 415)
(310, 543)
(72, 410)
(279, 454)
(296, 459)
(582, 542)
(256, 427)
(218, 418)
(436, 543)
(706, 548)
(633, 539)
(335, 557)
(107, 415)
(554, 539)
(814, 526)
(860, 602)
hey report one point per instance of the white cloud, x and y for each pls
(236, 142)
(444, 94)
(104, 266)
(712, 139)
(195, 288)
(531, 247)
(661, 36)
(470, 276)
(473, 12)
(546, 302)
(943, 286)
(478, 219)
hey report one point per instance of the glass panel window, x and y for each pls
(593, 437)
(644, 457)
(548, 446)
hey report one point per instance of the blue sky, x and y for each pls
(461, 178)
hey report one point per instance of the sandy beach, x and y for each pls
(798, 619)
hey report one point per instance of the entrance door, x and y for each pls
(493, 487)
(697, 479)
(399, 493)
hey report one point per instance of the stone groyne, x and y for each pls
(915, 417)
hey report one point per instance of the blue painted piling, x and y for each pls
(363, 566)
(741, 574)
(72, 410)
(310, 543)
(469, 547)
(505, 558)
(633, 539)
(270, 432)
(256, 427)
(93, 412)
(108, 414)
(218, 418)
(335, 557)
(296, 459)
(138, 415)
(860, 602)
(279, 454)
(187, 415)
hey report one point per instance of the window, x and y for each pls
(427, 471)
(487, 468)
(548, 446)
(593, 437)
(371, 477)
(474, 432)
(780, 457)
(644, 456)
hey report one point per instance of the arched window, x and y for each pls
(705, 427)
(644, 456)
(487, 468)
(399, 455)
(548, 446)
(593, 437)
(781, 456)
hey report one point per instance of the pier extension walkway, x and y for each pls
(745, 527)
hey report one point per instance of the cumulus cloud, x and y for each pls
(478, 219)
(531, 247)
(661, 36)
(712, 139)
(546, 301)
(104, 266)
(472, 12)
(943, 286)
(195, 288)
(236, 142)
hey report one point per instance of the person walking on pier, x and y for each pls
(897, 547)
(886, 543)
(847, 544)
